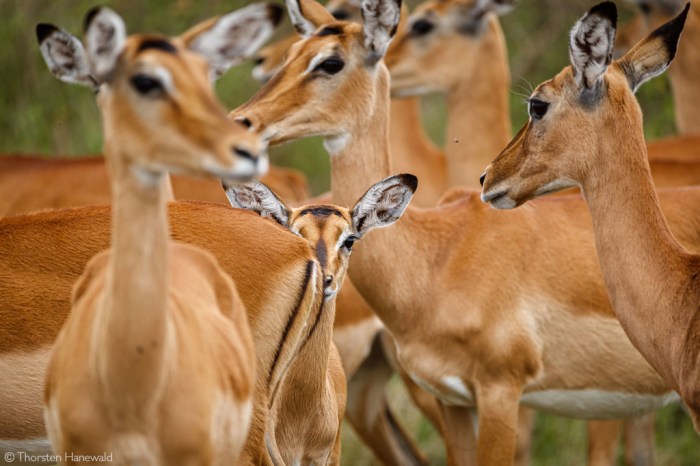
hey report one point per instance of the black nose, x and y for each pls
(244, 154)
(481, 180)
(259, 60)
(328, 280)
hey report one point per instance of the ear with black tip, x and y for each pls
(653, 54)
(472, 18)
(384, 203)
(234, 37)
(381, 20)
(259, 198)
(591, 44)
(307, 16)
(105, 35)
(64, 54)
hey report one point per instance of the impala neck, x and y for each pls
(410, 146)
(478, 125)
(362, 155)
(135, 299)
(642, 263)
(683, 74)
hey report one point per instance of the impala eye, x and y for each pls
(537, 109)
(145, 84)
(644, 7)
(349, 242)
(421, 27)
(330, 65)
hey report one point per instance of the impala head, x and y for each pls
(580, 114)
(155, 92)
(331, 230)
(436, 49)
(650, 15)
(270, 59)
(329, 78)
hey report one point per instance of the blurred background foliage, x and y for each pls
(40, 115)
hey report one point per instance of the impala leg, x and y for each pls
(523, 445)
(459, 434)
(368, 412)
(497, 407)
(602, 442)
(427, 403)
(639, 440)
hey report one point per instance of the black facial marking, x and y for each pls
(321, 253)
(340, 14)
(324, 211)
(158, 44)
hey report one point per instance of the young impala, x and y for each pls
(585, 130)
(478, 321)
(309, 411)
(42, 255)
(155, 363)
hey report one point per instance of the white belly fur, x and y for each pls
(595, 404)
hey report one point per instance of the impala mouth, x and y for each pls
(329, 293)
(499, 199)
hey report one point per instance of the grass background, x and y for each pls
(41, 115)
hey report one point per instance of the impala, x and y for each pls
(478, 321)
(652, 279)
(42, 255)
(155, 363)
(308, 418)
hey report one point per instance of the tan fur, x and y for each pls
(29, 183)
(155, 363)
(651, 277)
(515, 330)
(685, 71)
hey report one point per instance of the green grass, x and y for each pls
(39, 114)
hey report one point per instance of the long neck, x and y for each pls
(683, 74)
(135, 298)
(478, 125)
(644, 267)
(364, 157)
(410, 146)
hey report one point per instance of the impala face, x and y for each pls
(158, 90)
(331, 231)
(577, 113)
(325, 77)
(435, 51)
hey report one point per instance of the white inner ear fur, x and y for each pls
(380, 18)
(233, 38)
(599, 34)
(304, 27)
(66, 58)
(259, 198)
(105, 40)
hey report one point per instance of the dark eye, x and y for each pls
(644, 7)
(341, 15)
(537, 109)
(421, 27)
(330, 65)
(349, 241)
(145, 84)
(257, 61)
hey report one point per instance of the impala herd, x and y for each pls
(189, 332)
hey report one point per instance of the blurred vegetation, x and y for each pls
(44, 116)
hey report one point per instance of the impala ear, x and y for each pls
(307, 16)
(384, 203)
(472, 18)
(653, 54)
(65, 55)
(234, 37)
(381, 19)
(591, 45)
(259, 198)
(105, 34)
